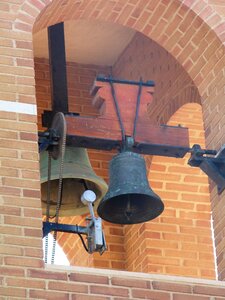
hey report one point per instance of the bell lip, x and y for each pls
(132, 223)
(74, 170)
(160, 210)
(101, 187)
(70, 210)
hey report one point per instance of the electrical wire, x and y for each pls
(82, 240)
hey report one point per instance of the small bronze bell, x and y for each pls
(77, 176)
(129, 199)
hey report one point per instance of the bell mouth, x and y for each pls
(130, 208)
(72, 190)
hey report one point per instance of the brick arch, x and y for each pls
(193, 36)
(192, 41)
(173, 86)
(193, 48)
(195, 43)
(184, 96)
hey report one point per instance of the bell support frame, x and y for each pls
(123, 123)
(104, 132)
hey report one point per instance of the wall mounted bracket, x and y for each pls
(93, 231)
(210, 162)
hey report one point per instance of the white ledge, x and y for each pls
(135, 275)
(18, 107)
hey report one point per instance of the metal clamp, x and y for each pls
(211, 163)
(48, 138)
(93, 231)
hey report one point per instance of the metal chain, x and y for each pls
(48, 203)
(59, 197)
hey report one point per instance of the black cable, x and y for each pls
(82, 240)
(85, 184)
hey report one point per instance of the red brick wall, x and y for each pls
(80, 79)
(89, 284)
(193, 32)
(144, 58)
(180, 240)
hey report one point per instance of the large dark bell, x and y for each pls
(129, 199)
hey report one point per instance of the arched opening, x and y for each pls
(144, 58)
(189, 55)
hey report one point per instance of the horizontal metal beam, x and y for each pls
(130, 82)
(48, 227)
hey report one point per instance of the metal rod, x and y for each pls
(110, 79)
(49, 226)
(118, 111)
(137, 108)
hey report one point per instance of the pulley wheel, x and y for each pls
(59, 125)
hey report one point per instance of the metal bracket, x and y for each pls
(211, 163)
(49, 227)
(93, 231)
(47, 139)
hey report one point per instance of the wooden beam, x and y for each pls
(105, 131)
(92, 132)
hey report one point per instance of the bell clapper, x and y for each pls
(128, 212)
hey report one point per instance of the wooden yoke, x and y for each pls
(123, 114)
(126, 95)
(107, 124)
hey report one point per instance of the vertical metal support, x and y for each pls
(57, 59)
(118, 113)
(137, 108)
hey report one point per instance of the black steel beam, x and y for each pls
(104, 78)
(48, 227)
(57, 60)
